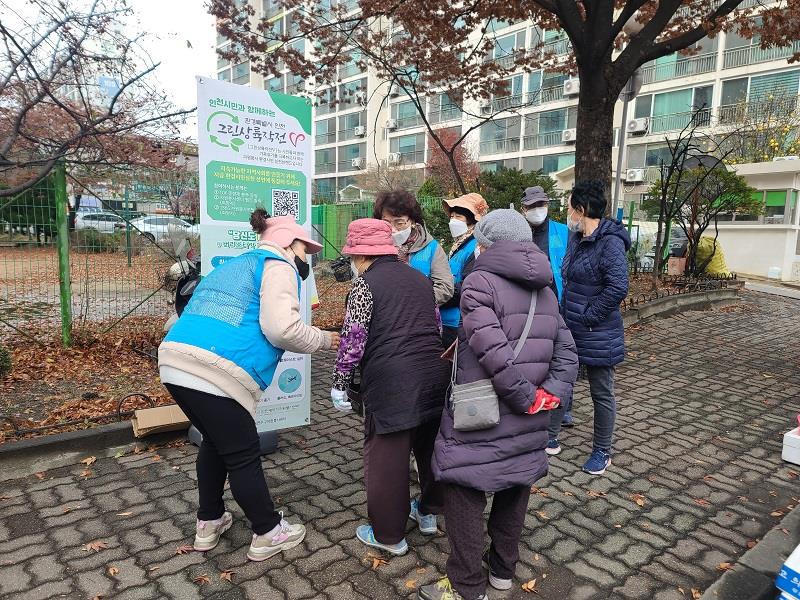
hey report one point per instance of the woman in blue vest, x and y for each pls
(415, 245)
(464, 212)
(219, 357)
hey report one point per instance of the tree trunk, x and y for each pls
(595, 126)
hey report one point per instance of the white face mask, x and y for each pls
(574, 226)
(457, 228)
(536, 216)
(401, 237)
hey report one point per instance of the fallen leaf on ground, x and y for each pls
(595, 494)
(40, 475)
(792, 474)
(97, 597)
(776, 513)
(112, 571)
(151, 569)
(702, 502)
(751, 544)
(681, 590)
(124, 514)
(639, 499)
(724, 566)
(529, 586)
(377, 561)
(202, 579)
(709, 478)
(185, 549)
(535, 557)
(411, 584)
(542, 515)
(227, 575)
(119, 454)
(568, 494)
(785, 531)
(95, 546)
(156, 458)
(696, 594)
(89, 460)
(86, 473)
(422, 570)
(773, 493)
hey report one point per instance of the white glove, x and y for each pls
(340, 403)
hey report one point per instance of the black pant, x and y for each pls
(230, 449)
(449, 335)
(386, 477)
(463, 511)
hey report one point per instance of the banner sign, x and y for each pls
(255, 151)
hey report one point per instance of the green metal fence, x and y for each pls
(91, 259)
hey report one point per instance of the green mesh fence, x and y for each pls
(121, 234)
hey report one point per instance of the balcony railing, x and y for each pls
(296, 88)
(508, 102)
(683, 67)
(679, 121)
(409, 121)
(553, 93)
(347, 165)
(446, 114)
(349, 70)
(325, 138)
(558, 47)
(322, 168)
(755, 112)
(750, 55)
(412, 157)
(543, 140)
(499, 146)
(347, 134)
(507, 61)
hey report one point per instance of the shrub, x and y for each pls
(89, 240)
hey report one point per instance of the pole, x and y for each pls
(127, 226)
(62, 228)
(621, 150)
(630, 216)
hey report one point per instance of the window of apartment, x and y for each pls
(534, 85)
(294, 84)
(348, 124)
(508, 45)
(325, 131)
(501, 135)
(276, 29)
(442, 108)
(352, 94)
(224, 75)
(406, 115)
(557, 162)
(674, 110)
(223, 62)
(325, 161)
(324, 105)
(774, 85)
(411, 147)
(648, 155)
(348, 153)
(351, 68)
(299, 45)
(270, 8)
(241, 73)
(325, 189)
(275, 84)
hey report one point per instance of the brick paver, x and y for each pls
(704, 400)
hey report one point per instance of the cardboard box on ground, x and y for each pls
(147, 421)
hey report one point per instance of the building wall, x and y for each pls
(755, 249)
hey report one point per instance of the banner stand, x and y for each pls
(267, 439)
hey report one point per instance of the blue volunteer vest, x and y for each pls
(422, 259)
(451, 316)
(558, 237)
(222, 316)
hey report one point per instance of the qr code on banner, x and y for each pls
(285, 202)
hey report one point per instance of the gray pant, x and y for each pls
(601, 388)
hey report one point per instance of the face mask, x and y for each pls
(303, 268)
(457, 228)
(536, 216)
(574, 226)
(353, 269)
(401, 237)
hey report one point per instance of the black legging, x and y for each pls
(230, 449)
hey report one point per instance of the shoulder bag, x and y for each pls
(475, 405)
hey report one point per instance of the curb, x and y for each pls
(753, 576)
(671, 305)
(29, 456)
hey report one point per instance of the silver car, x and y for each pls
(103, 222)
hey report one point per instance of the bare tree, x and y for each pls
(439, 46)
(74, 88)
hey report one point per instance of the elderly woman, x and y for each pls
(219, 357)
(391, 331)
(464, 212)
(415, 246)
(514, 336)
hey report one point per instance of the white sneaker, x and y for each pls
(209, 532)
(283, 537)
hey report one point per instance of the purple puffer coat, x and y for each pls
(495, 299)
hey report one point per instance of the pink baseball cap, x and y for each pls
(284, 230)
(369, 237)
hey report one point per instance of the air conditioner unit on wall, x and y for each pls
(572, 87)
(394, 91)
(634, 175)
(360, 131)
(361, 98)
(391, 124)
(395, 158)
(638, 125)
(359, 163)
(568, 136)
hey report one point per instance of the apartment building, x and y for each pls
(361, 122)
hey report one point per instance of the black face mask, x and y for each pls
(303, 268)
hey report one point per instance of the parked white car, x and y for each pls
(102, 222)
(158, 227)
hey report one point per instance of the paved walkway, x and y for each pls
(704, 401)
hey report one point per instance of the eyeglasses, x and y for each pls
(398, 224)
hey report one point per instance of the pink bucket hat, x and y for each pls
(284, 230)
(472, 202)
(369, 237)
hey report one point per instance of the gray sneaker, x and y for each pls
(442, 590)
(283, 537)
(209, 532)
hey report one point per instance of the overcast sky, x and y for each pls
(172, 24)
